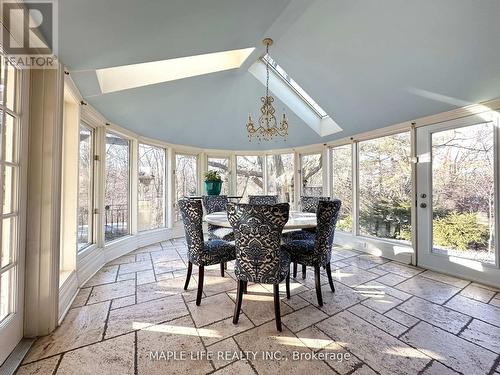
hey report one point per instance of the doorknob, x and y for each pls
(423, 205)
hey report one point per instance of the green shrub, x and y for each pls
(460, 231)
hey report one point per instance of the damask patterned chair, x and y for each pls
(217, 203)
(202, 253)
(262, 199)
(259, 259)
(317, 253)
(308, 204)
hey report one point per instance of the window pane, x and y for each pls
(116, 197)
(10, 142)
(249, 177)
(463, 190)
(280, 176)
(8, 240)
(12, 76)
(342, 184)
(186, 178)
(312, 175)
(85, 188)
(151, 188)
(6, 293)
(385, 187)
(9, 189)
(221, 165)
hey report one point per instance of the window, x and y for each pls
(221, 165)
(463, 191)
(249, 176)
(85, 187)
(116, 194)
(295, 86)
(385, 187)
(312, 175)
(280, 168)
(9, 165)
(186, 178)
(342, 184)
(151, 188)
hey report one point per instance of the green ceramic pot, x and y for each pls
(213, 187)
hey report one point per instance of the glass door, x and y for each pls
(457, 198)
(11, 264)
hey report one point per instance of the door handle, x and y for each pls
(423, 205)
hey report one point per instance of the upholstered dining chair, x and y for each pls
(259, 259)
(217, 203)
(317, 253)
(308, 204)
(262, 199)
(202, 253)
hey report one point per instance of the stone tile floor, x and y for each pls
(384, 318)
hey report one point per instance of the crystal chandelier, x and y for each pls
(267, 127)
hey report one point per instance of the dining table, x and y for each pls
(296, 220)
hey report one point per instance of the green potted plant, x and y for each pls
(213, 182)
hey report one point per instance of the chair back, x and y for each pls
(327, 215)
(192, 217)
(258, 231)
(310, 204)
(214, 203)
(262, 199)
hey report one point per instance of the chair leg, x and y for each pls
(329, 274)
(277, 312)
(239, 298)
(188, 276)
(318, 285)
(294, 269)
(201, 274)
(287, 285)
(222, 270)
(245, 287)
(304, 271)
(225, 265)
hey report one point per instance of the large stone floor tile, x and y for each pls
(478, 293)
(431, 290)
(212, 309)
(145, 314)
(81, 326)
(343, 298)
(223, 329)
(135, 267)
(483, 334)
(114, 290)
(353, 276)
(105, 275)
(402, 317)
(437, 368)
(476, 309)
(266, 338)
(177, 336)
(378, 320)
(400, 269)
(167, 287)
(379, 350)
(301, 319)
(239, 367)
(391, 279)
(114, 356)
(258, 305)
(45, 366)
(437, 315)
(449, 349)
(454, 281)
(81, 298)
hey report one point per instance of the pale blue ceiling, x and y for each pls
(368, 63)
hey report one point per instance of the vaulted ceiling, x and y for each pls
(368, 63)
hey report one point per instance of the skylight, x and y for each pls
(143, 74)
(294, 85)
